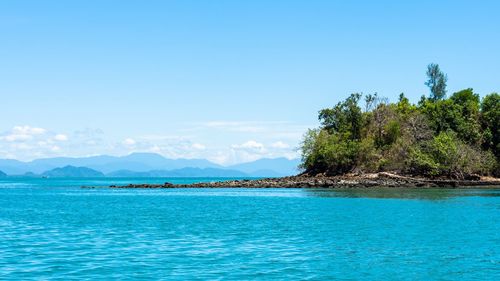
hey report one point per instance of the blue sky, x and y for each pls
(230, 81)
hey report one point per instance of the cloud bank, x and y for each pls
(220, 142)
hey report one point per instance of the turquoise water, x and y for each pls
(53, 229)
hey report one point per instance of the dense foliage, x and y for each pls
(455, 137)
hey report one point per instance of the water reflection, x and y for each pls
(404, 193)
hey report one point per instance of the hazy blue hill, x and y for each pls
(128, 174)
(156, 160)
(103, 163)
(280, 166)
(2, 174)
(150, 164)
(72, 171)
(72, 161)
(13, 167)
(30, 175)
(184, 172)
(207, 172)
(144, 162)
(141, 162)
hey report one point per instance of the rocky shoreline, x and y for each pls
(347, 181)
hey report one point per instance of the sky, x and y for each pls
(228, 81)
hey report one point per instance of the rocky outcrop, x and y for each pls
(347, 181)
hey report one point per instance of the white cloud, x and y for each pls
(27, 142)
(16, 138)
(60, 137)
(55, 148)
(155, 149)
(251, 144)
(221, 142)
(253, 150)
(27, 130)
(22, 134)
(198, 146)
(248, 151)
(129, 142)
(280, 145)
(269, 131)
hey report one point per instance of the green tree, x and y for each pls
(467, 125)
(459, 113)
(404, 107)
(442, 114)
(436, 81)
(490, 122)
(346, 117)
(310, 151)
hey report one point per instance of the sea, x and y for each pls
(53, 229)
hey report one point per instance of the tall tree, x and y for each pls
(490, 117)
(345, 117)
(436, 81)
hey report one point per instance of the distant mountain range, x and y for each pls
(184, 172)
(140, 162)
(145, 165)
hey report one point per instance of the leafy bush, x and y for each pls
(448, 156)
(422, 163)
(327, 153)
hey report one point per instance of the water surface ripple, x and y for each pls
(52, 229)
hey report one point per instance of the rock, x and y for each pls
(322, 181)
(472, 177)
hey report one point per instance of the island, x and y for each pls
(74, 172)
(366, 141)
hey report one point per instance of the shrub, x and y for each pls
(422, 163)
(332, 154)
(446, 155)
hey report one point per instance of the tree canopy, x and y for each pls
(439, 137)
